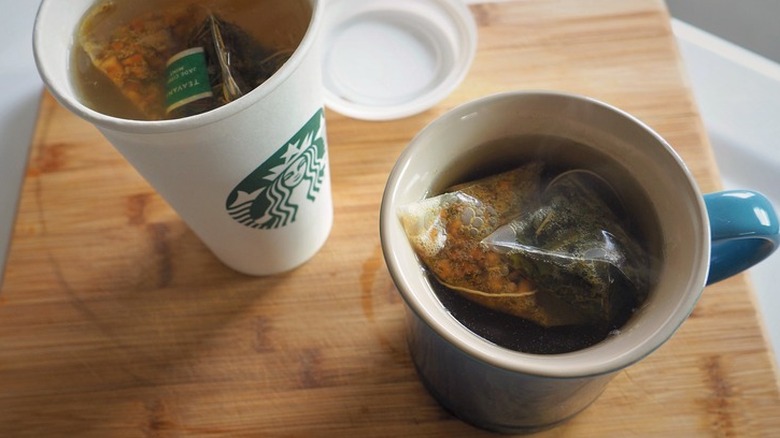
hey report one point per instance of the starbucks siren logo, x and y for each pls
(270, 196)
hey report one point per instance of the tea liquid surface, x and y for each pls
(276, 24)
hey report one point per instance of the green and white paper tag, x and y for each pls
(188, 78)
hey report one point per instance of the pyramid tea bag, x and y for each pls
(556, 251)
(133, 56)
(231, 62)
(576, 246)
(173, 61)
(446, 233)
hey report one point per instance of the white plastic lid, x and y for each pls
(387, 59)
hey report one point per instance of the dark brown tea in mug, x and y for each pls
(166, 59)
(584, 246)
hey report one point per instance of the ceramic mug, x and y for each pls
(250, 178)
(701, 239)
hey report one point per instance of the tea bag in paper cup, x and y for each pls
(234, 61)
(133, 55)
(577, 246)
(176, 61)
(446, 233)
(250, 178)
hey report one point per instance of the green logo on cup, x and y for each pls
(270, 197)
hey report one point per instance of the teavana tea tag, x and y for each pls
(188, 78)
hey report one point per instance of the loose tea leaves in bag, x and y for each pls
(446, 233)
(235, 64)
(224, 62)
(577, 247)
(133, 56)
(555, 253)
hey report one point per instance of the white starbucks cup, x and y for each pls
(250, 178)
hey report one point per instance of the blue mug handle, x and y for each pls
(743, 229)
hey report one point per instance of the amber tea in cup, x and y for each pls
(576, 264)
(152, 60)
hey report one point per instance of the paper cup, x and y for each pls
(250, 178)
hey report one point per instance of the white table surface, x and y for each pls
(20, 88)
(738, 93)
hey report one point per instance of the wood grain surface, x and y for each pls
(116, 321)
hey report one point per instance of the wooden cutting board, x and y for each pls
(116, 321)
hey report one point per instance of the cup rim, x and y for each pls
(577, 364)
(67, 99)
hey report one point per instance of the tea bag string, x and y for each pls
(230, 89)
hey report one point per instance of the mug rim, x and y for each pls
(47, 72)
(577, 364)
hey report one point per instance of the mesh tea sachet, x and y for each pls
(540, 245)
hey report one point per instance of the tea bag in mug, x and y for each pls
(577, 247)
(446, 232)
